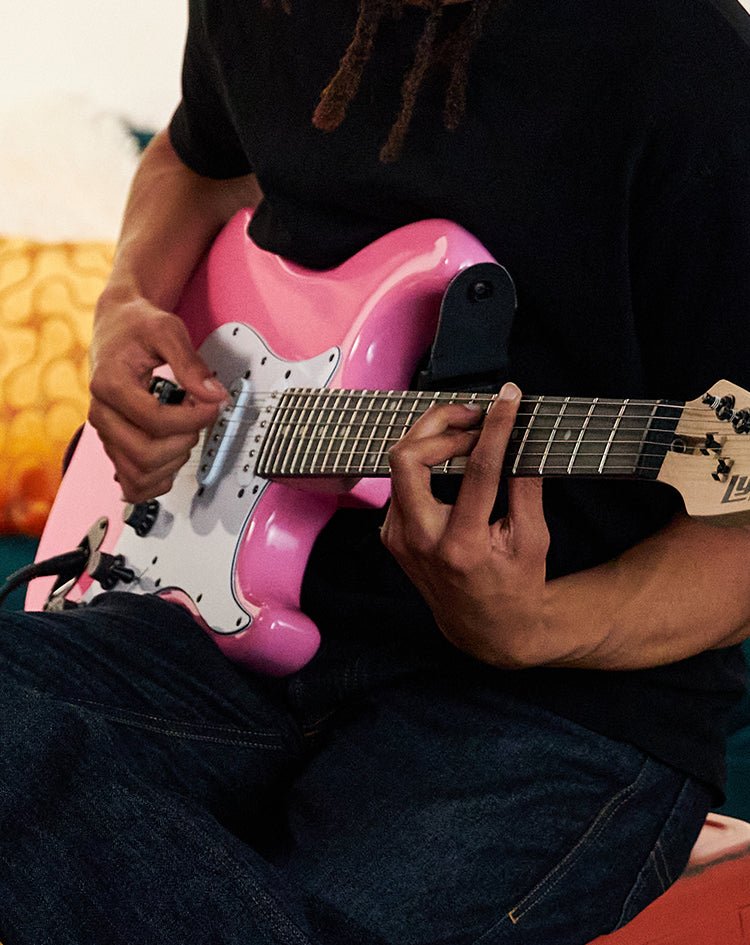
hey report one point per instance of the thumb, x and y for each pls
(190, 370)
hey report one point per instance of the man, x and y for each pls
(521, 741)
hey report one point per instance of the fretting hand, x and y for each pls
(484, 582)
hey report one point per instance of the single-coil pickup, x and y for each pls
(231, 422)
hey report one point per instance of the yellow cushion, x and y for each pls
(47, 296)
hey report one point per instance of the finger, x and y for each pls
(140, 487)
(126, 397)
(124, 359)
(145, 451)
(478, 492)
(190, 370)
(433, 443)
(525, 518)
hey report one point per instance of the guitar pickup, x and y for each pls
(217, 448)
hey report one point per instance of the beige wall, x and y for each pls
(123, 55)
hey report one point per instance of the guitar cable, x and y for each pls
(70, 564)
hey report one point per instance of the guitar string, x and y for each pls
(594, 410)
(581, 464)
(285, 436)
(306, 402)
(315, 398)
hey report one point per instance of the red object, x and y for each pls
(709, 904)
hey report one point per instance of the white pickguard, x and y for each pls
(169, 557)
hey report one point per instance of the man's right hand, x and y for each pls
(147, 441)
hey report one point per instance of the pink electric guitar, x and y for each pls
(317, 365)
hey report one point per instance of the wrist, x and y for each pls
(578, 621)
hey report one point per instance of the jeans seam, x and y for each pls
(659, 856)
(189, 736)
(167, 721)
(602, 819)
(281, 923)
(654, 859)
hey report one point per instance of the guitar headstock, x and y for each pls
(709, 459)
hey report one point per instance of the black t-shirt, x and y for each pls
(604, 159)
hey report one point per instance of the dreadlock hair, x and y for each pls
(454, 52)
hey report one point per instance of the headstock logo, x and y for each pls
(738, 490)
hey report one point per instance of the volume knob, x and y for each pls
(141, 516)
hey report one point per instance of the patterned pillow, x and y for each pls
(47, 297)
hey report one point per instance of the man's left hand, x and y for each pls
(483, 582)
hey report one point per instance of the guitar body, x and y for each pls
(233, 547)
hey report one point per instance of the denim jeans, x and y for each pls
(152, 793)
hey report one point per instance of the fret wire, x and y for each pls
(416, 402)
(445, 467)
(647, 429)
(267, 439)
(526, 434)
(310, 431)
(612, 435)
(582, 434)
(357, 437)
(301, 437)
(389, 427)
(346, 397)
(275, 447)
(371, 439)
(320, 427)
(551, 437)
(290, 431)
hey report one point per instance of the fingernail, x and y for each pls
(213, 385)
(509, 391)
(474, 405)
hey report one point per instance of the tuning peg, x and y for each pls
(711, 445)
(723, 468)
(741, 421)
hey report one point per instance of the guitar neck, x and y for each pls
(349, 433)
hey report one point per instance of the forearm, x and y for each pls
(676, 594)
(171, 217)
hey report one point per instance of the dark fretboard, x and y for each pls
(349, 433)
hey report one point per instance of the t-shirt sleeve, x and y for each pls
(201, 130)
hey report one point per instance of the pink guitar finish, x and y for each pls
(364, 324)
